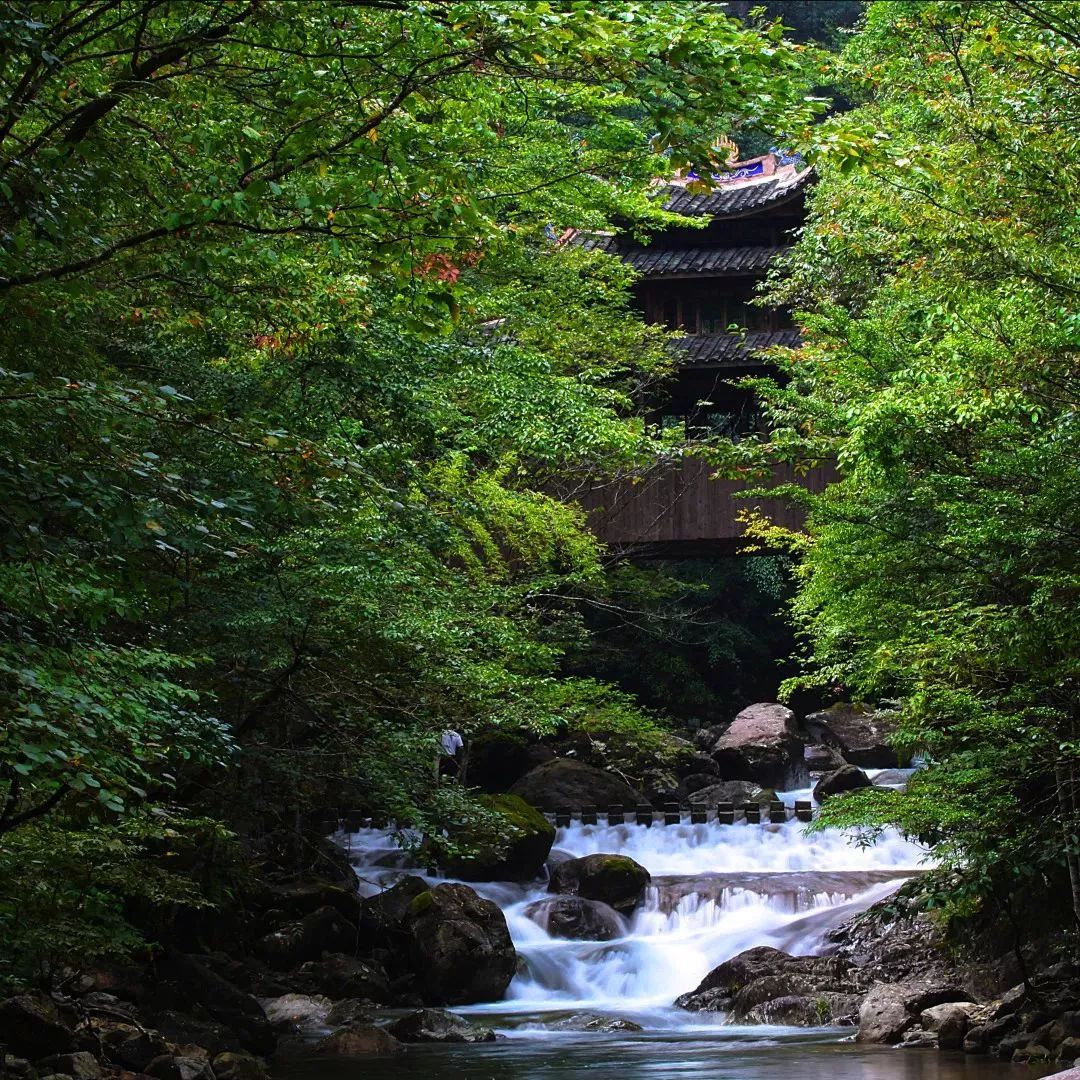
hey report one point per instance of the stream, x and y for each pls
(716, 890)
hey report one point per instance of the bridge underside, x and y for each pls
(678, 512)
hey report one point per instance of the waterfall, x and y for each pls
(716, 890)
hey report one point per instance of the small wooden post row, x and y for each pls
(672, 814)
(643, 814)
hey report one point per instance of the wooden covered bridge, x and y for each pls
(702, 281)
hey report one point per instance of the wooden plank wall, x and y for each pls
(680, 504)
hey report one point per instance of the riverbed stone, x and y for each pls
(860, 732)
(846, 778)
(616, 880)
(31, 1026)
(233, 1066)
(949, 1022)
(596, 1022)
(890, 1009)
(459, 946)
(81, 1065)
(572, 784)
(763, 744)
(438, 1025)
(576, 918)
(337, 975)
(357, 1040)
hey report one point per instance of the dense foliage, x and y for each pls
(289, 358)
(937, 283)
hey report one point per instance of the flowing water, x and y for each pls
(716, 890)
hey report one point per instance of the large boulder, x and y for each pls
(859, 732)
(340, 976)
(525, 844)
(596, 1022)
(498, 759)
(221, 1000)
(323, 930)
(949, 1022)
(763, 744)
(846, 778)
(459, 946)
(820, 757)
(613, 879)
(890, 1009)
(577, 919)
(438, 1025)
(31, 1026)
(573, 784)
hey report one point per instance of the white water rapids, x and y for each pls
(716, 890)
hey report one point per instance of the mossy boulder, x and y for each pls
(573, 784)
(524, 850)
(614, 879)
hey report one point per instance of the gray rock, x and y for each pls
(737, 792)
(846, 778)
(822, 1009)
(949, 1022)
(763, 744)
(820, 757)
(596, 1022)
(438, 1025)
(890, 1009)
(339, 976)
(577, 919)
(860, 732)
(893, 778)
(350, 1011)
(305, 1012)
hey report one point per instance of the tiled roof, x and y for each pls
(734, 201)
(709, 349)
(656, 261)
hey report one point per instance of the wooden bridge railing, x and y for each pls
(680, 505)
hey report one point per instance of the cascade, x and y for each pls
(716, 890)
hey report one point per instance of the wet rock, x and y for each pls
(737, 792)
(339, 976)
(460, 946)
(890, 1009)
(358, 1039)
(17, 1068)
(31, 1026)
(438, 1025)
(528, 841)
(596, 1022)
(613, 879)
(892, 778)
(323, 930)
(820, 757)
(81, 1065)
(1033, 1052)
(577, 919)
(351, 1011)
(824, 1008)
(763, 744)
(573, 784)
(179, 1067)
(301, 1010)
(916, 1038)
(949, 1022)
(382, 915)
(748, 982)
(846, 778)
(134, 1049)
(860, 732)
(230, 1066)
